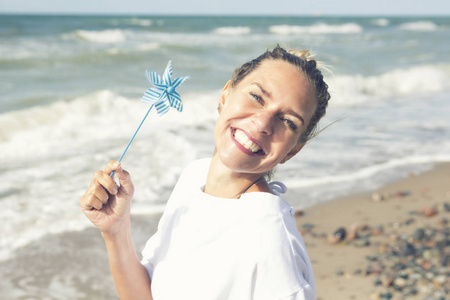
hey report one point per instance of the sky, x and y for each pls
(229, 7)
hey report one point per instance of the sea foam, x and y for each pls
(320, 28)
(419, 26)
(238, 30)
(358, 89)
(103, 36)
(382, 22)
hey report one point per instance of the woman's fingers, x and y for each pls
(102, 187)
(93, 202)
(126, 185)
(100, 193)
(105, 181)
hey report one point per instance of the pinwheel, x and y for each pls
(162, 96)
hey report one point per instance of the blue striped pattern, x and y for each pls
(163, 95)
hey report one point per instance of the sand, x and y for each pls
(397, 207)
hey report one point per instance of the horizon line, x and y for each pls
(140, 14)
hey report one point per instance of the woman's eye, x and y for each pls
(257, 97)
(290, 124)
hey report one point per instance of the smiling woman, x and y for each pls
(226, 233)
(271, 107)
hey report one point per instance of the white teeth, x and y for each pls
(243, 139)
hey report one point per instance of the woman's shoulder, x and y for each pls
(196, 171)
(270, 203)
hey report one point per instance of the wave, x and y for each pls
(358, 89)
(382, 22)
(325, 188)
(368, 172)
(148, 47)
(141, 22)
(238, 30)
(419, 26)
(103, 36)
(320, 28)
(82, 109)
(51, 152)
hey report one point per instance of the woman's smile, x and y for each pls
(246, 143)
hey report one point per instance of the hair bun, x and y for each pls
(303, 54)
(309, 58)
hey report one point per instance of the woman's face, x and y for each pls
(262, 118)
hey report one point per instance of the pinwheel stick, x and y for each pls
(132, 138)
(162, 96)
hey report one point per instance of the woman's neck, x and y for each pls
(225, 183)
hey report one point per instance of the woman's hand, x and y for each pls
(105, 204)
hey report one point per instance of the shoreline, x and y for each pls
(375, 222)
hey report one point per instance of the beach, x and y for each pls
(70, 91)
(387, 215)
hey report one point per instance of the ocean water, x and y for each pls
(70, 89)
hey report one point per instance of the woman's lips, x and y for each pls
(246, 143)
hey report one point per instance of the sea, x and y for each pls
(70, 89)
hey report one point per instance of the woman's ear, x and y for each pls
(223, 96)
(293, 152)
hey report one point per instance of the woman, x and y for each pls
(225, 232)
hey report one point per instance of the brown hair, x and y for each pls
(305, 63)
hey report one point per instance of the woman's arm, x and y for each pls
(131, 279)
(107, 206)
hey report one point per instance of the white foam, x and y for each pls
(382, 22)
(104, 36)
(149, 47)
(320, 28)
(419, 26)
(141, 22)
(358, 89)
(238, 30)
(324, 188)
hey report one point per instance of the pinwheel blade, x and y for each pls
(167, 77)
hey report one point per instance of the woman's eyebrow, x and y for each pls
(269, 95)
(263, 90)
(296, 115)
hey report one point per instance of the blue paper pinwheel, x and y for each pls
(162, 96)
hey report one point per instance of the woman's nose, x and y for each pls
(264, 122)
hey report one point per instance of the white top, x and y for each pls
(216, 248)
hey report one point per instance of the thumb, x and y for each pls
(126, 185)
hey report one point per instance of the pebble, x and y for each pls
(299, 213)
(362, 242)
(377, 197)
(443, 222)
(419, 234)
(399, 283)
(429, 211)
(340, 233)
(337, 236)
(447, 206)
(308, 226)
